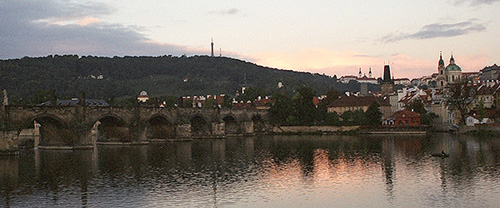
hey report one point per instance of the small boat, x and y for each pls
(442, 154)
(454, 127)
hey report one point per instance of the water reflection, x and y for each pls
(295, 171)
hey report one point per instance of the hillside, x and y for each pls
(104, 77)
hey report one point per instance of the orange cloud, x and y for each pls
(88, 21)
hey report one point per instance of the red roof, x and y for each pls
(485, 90)
(406, 113)
(365, 78)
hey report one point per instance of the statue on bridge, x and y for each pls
(5, 98)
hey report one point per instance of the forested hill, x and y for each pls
(68, 75)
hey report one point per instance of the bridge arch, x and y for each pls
(53, 131)
(111, 128)
(44, 118)
(231, 125)
(200, 126)
(160, 127)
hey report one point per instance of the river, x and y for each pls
(261, 171)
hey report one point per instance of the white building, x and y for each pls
(143, 97)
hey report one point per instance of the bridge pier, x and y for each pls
(8, 143)
(218, 129)
(182, 131)
(247, 128)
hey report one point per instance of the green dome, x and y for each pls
(453, 67)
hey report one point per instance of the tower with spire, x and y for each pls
(453, 71)
(441, 78)
(360, 73)
(449, 74)
(370, 73)
(387, 84)
(212, 44)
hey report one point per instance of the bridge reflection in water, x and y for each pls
(74, 127)
(264, 171)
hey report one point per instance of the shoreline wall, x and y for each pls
(312, 129)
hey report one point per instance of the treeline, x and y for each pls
(120, 77)
(300, 110)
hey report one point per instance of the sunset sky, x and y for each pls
(324, 36)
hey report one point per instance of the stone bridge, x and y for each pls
(82, 126)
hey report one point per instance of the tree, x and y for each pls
(332, 119)
(210, 103)
(227, 102)
(480, 111)
(43, 96)
(280, 110)
(416, 106)
(428, 118)
(331, 96)
(305, 111)
(353, 118)
(460, 97)
(251, 94)
(373, 115)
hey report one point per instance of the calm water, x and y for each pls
(264, 171)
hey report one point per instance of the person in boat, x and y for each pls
(442, 154)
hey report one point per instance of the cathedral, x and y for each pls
(449, 74)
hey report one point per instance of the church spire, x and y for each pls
(452, 60)
(441, 61)
(360, 73)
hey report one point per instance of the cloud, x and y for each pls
(438, 30)
(38, 28)
(232, 11)
(474, 2)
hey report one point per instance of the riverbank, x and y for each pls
(316, 130)
(348, 130)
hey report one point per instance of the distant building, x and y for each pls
(471, 76)
(280, 85)
(360, 78)
(486, 92)
(242, 104)
(143, 97)
(353, 103)
(449, 74)
(366, 79)
(346, 79)
(402, 81)
(262, 103)
(203, 101)
(490, 73)
(387, 84)
(472, 120)
(403, 118)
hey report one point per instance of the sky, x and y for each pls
(333, 37)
